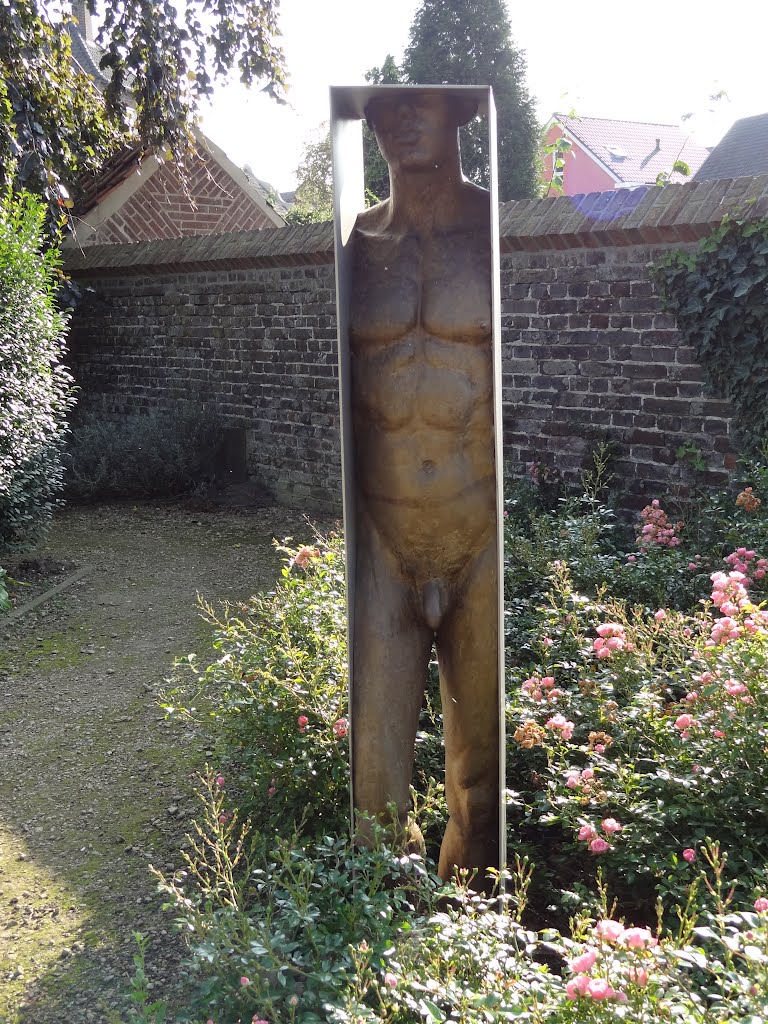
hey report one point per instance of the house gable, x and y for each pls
(152, 202)
(627, 153)
(582, 173)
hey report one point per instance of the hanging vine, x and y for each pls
(719, 295)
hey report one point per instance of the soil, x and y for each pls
(97, 784)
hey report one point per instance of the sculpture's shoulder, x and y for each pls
(373, 221)
(476, 207)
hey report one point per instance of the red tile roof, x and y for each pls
(648, 149)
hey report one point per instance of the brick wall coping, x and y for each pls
(279, 247)
(677, 213)
(646, 215)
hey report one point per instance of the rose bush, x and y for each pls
(637, 734)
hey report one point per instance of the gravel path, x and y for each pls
(95, 784)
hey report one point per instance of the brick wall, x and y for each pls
(247, 322)
(211, 203)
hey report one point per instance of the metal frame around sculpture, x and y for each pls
(347, 114)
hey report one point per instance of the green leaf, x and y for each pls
(431, 1012)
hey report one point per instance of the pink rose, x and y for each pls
(245, 981)
(390, 979)
(638, 938)
(684, 722)
(585, 962)
(609, 930)
(561, 723)
(219, 780)
(660, 615)
(302, 721)
(610, 629)
(587, 833)
(598, 988)
(610, 826)
(598, 846)
(588, 773)
(576, 987)
(340, 727)
(572, 782)
(761, 904)
(304, 556)
(639, 976)
(689, 855)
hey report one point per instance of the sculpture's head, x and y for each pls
(418, 130)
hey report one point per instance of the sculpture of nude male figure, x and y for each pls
(425, 477)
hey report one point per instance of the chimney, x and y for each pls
(84, 20)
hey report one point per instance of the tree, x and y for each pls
(376, 170)
(469, 42)
(314, 192)
(35, 389)
(54, 123)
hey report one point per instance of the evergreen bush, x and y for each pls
(35, 388)
(157, 455)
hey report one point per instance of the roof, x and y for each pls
(743, 150)
(267, 191)
(635, 152)
(88, 55)
(92, 188)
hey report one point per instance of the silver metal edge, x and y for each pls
(499, 443)
(348, 201)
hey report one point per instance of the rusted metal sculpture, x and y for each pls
(422, 475)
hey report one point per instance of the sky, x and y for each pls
(638, 62)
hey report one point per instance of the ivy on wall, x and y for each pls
(719, 295)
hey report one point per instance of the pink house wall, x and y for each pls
(581, 173)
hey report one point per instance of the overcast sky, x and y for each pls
(641, 62)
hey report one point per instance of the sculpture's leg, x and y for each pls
(467, 653)
(391, 657)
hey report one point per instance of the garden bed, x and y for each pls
(637, 748)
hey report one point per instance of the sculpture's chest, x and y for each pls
(442, 285)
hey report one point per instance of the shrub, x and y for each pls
(278, 695)
(156, 455)
(312, 932)
(35, 389)
(279, 929)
